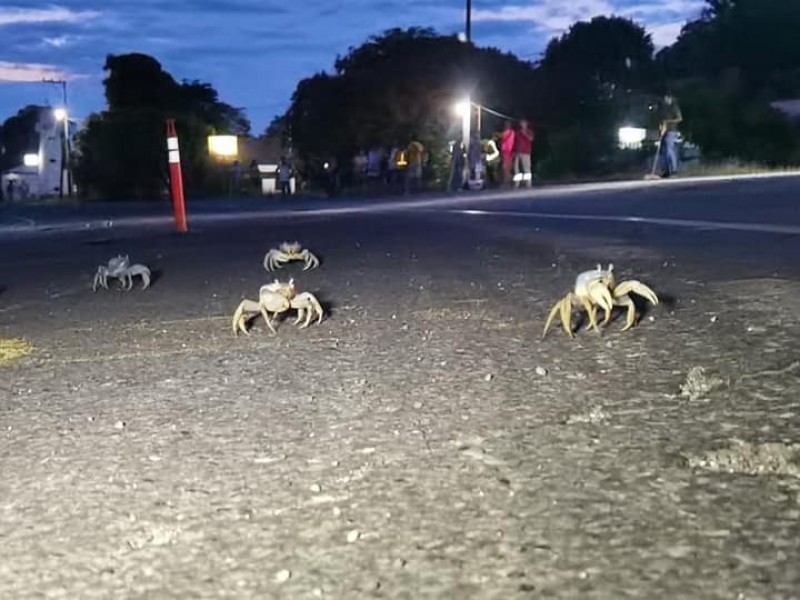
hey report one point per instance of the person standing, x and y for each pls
(255, 176)
(507, 141)
(475, 160)
(414, 155)
(670, 117)
(523, 147)
(285, 177)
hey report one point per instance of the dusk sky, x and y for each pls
(255, 51)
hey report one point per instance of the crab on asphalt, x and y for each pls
(598, 289)
(134, 271)
(114, 268)
(119, 267)
(276, 298)
(288, 251)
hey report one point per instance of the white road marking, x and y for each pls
(685, 223)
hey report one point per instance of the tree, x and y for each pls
(594, 75)
(122, 150)
(18, 136)
(400, 85)
(725, 86)
(713, 44)
(592, 63)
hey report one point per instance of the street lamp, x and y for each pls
(463, 109)
(62, 116)
(631, 137)
(223, 146)
(225, 149)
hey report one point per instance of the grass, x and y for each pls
(732, 167)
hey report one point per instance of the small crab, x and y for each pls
(114, 268)
(288, 251)
(119, 267)
(276, 298)
(597, 288)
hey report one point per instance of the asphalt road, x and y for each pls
(753, 220)
(423, 441)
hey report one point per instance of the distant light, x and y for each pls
(30, 160)
(326, 165)
(224, 146)
(631, 137)
(60, 114)
(462, 37)
(462, 109)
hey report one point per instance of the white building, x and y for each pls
(40, 175)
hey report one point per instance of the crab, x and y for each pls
(131, 272)
(119, 267)
(276, 298)
(114, 268)
(598, 288)
(288, 251)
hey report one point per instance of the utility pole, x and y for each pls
(468, 32)
(65, 175)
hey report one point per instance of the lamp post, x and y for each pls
(62, 116)
(468, 31)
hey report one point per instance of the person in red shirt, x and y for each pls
(507, 152)
(523, 146)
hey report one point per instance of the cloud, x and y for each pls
(665, 34)
(60, 41)
(662, 18)
(53, 14)
(11, 72)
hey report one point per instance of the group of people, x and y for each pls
(398, 167)
(16, 190)
(504, 159)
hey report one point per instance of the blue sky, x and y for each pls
(255, 51)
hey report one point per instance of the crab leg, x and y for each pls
(564, 307)
(265, 314)
(591, 311)
(630, 318)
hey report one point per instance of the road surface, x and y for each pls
(423, 441)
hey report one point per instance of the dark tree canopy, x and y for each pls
(756, 38)
(402, 85)
(18, 136)
(727, 66)
(122, 151)
(592, 63)
(138, 81)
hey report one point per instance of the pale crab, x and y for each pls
(119, 267)
(288, 251)
(276, 298)
(598, 289)
(114, 268)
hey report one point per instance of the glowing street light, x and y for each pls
(631, 137)
(60, 114)
(464, 110)
(31, 160)
(223, 146)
